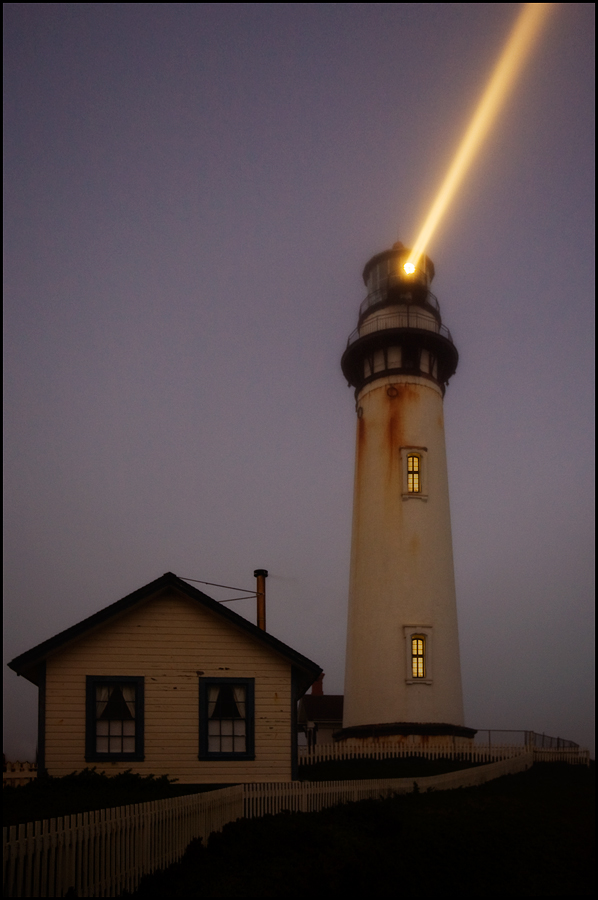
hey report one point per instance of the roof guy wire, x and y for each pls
(249, 594)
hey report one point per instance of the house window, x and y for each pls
(114, 713)
(226, 718)
(413, 474)
(418, 656)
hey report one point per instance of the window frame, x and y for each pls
(412, 632)
(422, 455)
(91, 683)
(249, 752)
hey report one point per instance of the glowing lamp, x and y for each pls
(409, 268)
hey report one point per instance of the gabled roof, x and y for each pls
(27, 663)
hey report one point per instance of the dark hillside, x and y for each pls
(527, 835)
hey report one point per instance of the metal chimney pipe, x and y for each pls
(261, 575)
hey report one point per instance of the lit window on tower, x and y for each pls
(413, 474)
(418, 656)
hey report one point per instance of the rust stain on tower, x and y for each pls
(393, 433)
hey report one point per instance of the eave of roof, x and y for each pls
(26, 663)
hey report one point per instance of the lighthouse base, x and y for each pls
(406, 734)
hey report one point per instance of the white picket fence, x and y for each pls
(101, 854)
(18, 773)
(312, 796)
(459, 750)
(573, 756)
(380, 748)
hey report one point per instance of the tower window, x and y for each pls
(413, 474)
(418, 656)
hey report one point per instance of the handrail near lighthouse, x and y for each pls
(409, 318)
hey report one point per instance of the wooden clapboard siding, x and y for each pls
(171, 641)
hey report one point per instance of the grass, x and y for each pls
(526, 835)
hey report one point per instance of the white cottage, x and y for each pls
(170, 682)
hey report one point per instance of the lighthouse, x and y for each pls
(402, 673)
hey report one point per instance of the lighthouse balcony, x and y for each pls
(405, 317)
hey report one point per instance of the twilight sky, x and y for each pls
(191, 193)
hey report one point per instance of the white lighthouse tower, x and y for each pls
(403, 673)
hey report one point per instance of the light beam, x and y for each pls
(510, 63)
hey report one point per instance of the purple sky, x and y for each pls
(191, 192)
